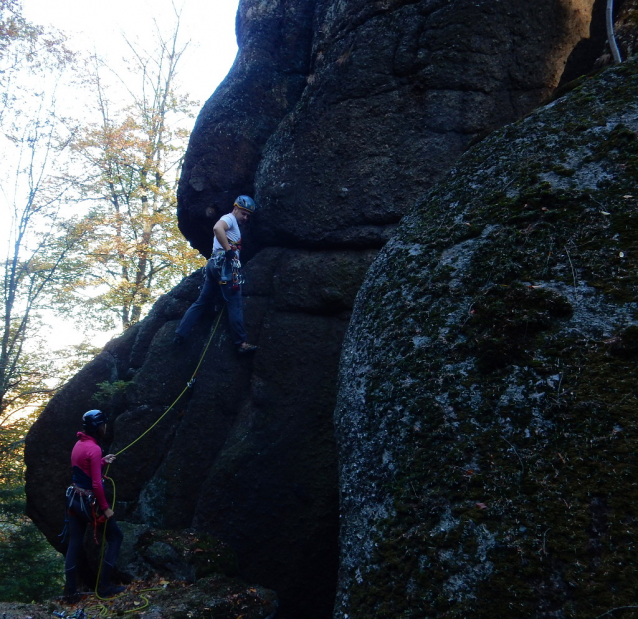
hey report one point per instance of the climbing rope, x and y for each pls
(611, 34)
(189, 385)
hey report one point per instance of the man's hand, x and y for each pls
(108, 513)
(109, 459)
(230, 254)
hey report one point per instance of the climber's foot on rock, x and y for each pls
(246, 348)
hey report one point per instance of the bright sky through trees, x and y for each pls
(91, 146)
(99, 27)
(95, 25)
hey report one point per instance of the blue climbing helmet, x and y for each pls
(92, 420)
(245, 203)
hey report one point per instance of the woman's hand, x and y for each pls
(108, 513)
(109, 459)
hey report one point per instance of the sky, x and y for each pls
(97, 26)
(209, 25)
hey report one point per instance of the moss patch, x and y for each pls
(487, 409)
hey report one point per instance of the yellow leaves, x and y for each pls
(129, 157)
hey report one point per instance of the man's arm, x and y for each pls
(220, 234)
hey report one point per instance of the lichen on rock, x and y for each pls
(486, 414)
(337, 117)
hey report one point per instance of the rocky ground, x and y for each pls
(171, 574)
(156, 598)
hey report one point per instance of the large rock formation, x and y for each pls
(487, 411)
(338, 116)
(264, 84)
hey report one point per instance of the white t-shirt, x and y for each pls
(233, 234)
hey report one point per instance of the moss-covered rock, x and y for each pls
(487, 420)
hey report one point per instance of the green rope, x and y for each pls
(188, 385)
(146, 600)
(201, 359)
(103, 609)
(99, 570)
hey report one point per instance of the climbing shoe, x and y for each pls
(246, 348)
(105, 589)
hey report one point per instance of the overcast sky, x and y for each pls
(96, 24)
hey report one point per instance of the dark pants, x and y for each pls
(211, 293)
(79, 519)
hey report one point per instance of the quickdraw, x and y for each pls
(229, 272)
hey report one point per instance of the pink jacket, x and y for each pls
(87, 455)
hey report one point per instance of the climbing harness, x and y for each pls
(231, 273)
(83, 493)
(88, 508)
(229, 270)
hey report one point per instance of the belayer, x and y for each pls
(87, 505)
(223, 275)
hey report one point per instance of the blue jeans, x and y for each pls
(212, 292)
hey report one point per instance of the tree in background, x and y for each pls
(34, 140)
(87, 216)
(25, 47)
(30, 569)
(39, 242)
(132, 155)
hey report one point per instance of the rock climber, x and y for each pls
(222, 276)
(87, 505)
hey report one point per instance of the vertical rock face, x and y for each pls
(486, 414)
(265, 82)
(337, 116)
(396, 91)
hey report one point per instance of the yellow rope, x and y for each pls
(201, 359)
(99, 570)
(103, 609)
(188, 385)
(146, 600)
